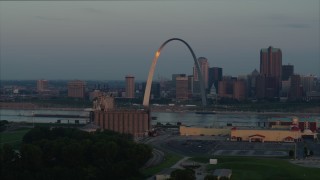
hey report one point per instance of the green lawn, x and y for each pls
(14, 138)
(262, 168)
(170, 160)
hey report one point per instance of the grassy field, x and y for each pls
(261, 168)
(169, 161)
(14, 138)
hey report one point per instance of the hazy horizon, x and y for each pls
(106, 40)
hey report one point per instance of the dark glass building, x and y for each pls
(215, 75)
(287, 71)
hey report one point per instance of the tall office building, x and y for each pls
(155, 92)
(42, 85)
(204, 68)
(130, 86)
(226, 87)
(252, 83)
(190, 85)
(182, 88)
(287, 71)
(260, 86)
(173, 84)
(76, 89)
(285, 88)
(271, 62)
(271, 68)
(308, 83)
(174, 77)
(296, 89)
(239, 90)
(215, 75)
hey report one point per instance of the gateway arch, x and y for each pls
(153, 66)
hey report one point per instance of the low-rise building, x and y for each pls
(197, 131)
(279, 133)
(303, 123)
(266, 135)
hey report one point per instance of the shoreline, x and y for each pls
(244, 112)
(176, 111)
(44, 108)
(31, 106)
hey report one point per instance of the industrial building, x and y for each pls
(278, 131)
(302, 123)
(196, 131)
(264, 135)
(129, 121)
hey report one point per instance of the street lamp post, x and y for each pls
(33, 119)
(295, 150)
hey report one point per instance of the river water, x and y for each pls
(186, 118)
(210, 120)
(26, 116)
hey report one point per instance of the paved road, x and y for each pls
(157, 158)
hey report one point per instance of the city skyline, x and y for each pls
(107, 40)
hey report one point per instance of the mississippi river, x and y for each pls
(186, 118)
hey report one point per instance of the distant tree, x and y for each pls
(36, 134)
(72, 155)
(8, 159)
(291, 153)
(210, 177)
(7, 154)
(31, 157)
(305, 150)
(61, 153)
(3, 122)
(223, 178)
(311, 153)
(185, 174)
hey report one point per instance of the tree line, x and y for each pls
(62, 153)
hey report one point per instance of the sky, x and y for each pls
(107, 40)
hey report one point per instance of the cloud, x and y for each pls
(47, 18)
(296, 25)
(286, 21)
(92, 10)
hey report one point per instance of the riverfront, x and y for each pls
(188, 118)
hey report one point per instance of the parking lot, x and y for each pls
(249, 153)
(204, 146)
(169, 139)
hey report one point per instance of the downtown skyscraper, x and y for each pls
(130, 86)
(270, 71)
(271, 62)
